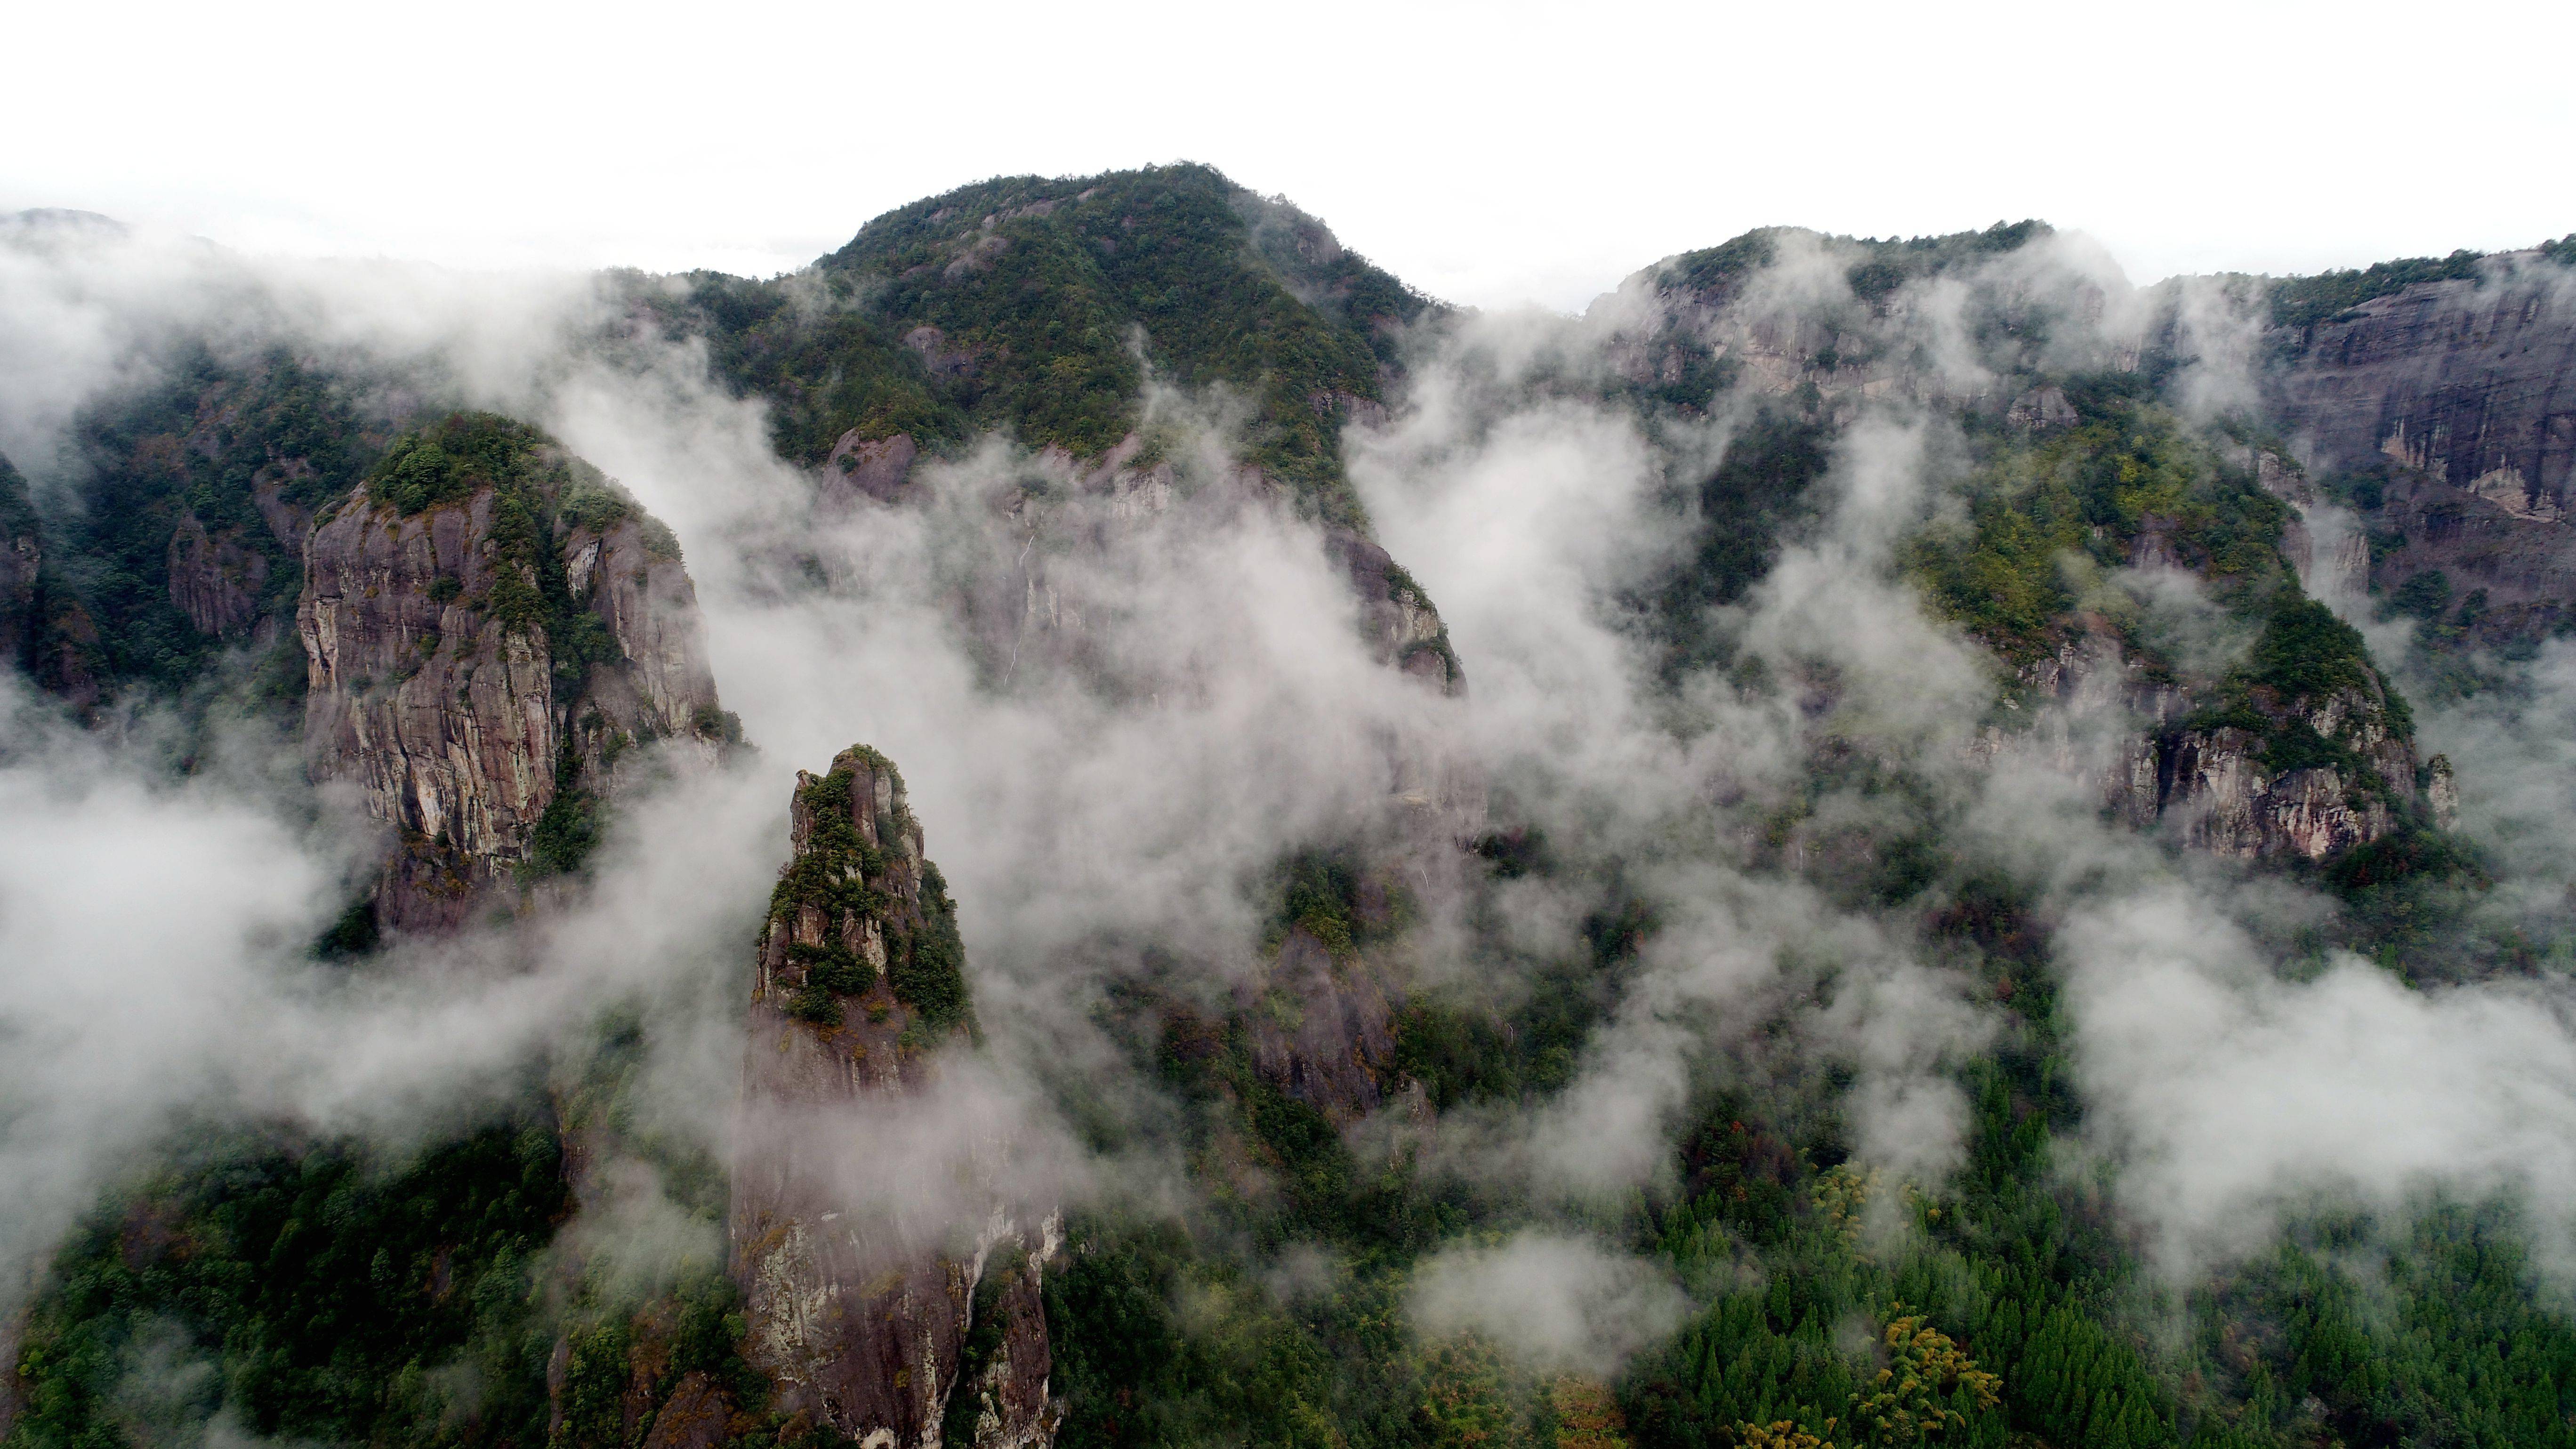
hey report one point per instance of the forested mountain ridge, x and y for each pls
(1040, 308)
(2095, 531)
(1043, 305)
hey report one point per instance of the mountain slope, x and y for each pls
(491, 626)
(1041, 307)
(190, 497)
(2443, 406)
(1779, 921)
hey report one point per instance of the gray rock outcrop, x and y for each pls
(890, 1324)
(2216, 782)
(471, 662)
(2462, 393)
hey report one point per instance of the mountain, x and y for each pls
(2434, 399)
(1937, 707)
(1043, 306)
(22, 562)
(863, 1322)
(491, 627)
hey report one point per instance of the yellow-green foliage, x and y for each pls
(1587, 1416)
(1842, 1195)
(1912, 1398)
(2085, 497)
(1782, 1434)
(1469, 1398)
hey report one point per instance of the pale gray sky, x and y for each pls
(1490, 154)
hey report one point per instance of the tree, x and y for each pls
(1915, 1397)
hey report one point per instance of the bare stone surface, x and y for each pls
(698, 1415)
(859, 1317)
(451, 722)
(878, 468)
(2102, 713)
(214, 580)
(2464, 393)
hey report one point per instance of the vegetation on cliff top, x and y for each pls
(849, 880)
(2325, 296)
(1040, 306)
(1885, 264)
(2305, 301)
(2128, 481)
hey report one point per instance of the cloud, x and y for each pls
(1118, 704)
(91, 310)
(154, 968)
(138, 925)
(2231, 1096)
(1558, 1304)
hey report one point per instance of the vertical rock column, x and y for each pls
(885, 1298)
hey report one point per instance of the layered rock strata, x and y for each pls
(2216, 777)
(471, 661)
(899, 1314)
(2462, 394)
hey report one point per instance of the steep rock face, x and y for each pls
(475, 657)
(214, 581)
(2463, 393)
(1120, 490)
(1396, 616)
(22, 561)
(893, 1331)
(219, 575)
(187, 500)
(1321, 1029)
(2218, 776)
(1032, 614)
(2230, 803)
(1784, 312)
(697, 1415)
(2467, 381)
(1317, 1021)
(878, 468)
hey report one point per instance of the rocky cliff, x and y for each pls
(1330, 1040)
(1967, 321)
(2103, 556)
(2447, 409)
(22, 559)
(44, 629)
(2233, 768)
(492, 629)
(883, 1311)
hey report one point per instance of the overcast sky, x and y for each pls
(1487, 154)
